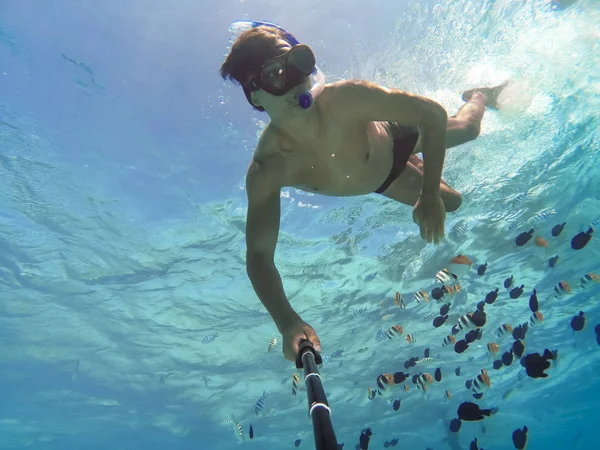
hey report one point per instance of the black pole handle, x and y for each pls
(303, 347)
(318, 407)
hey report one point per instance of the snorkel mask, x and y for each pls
(281, 74)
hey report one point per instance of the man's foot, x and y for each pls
(491, 94)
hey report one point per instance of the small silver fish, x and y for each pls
(260, 403)
(211, 337)
(518, 199)
(541, 216)
(272, 344)
(359, 312)
(237, 428)
(381, 336)
(424, 360)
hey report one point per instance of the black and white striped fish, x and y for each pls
(541, 216)
(296, 386)
(421, 295)
(237, 427)
(518, 199)
(260, 403)
(444, 276)
(448, 340)
(424, 360)
(464, 322)
(272, 344)
(211, 337)
(481, 382)
(504, 330)
(589, 279)
(359, 312)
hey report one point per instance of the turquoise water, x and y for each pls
(122, 211)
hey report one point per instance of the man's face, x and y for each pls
(283, 77)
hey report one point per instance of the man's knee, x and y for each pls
(471, 130)
(452, 201)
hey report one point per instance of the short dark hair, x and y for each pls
(248, 54)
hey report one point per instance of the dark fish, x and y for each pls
(394, 442)
(519, 438)
(471, 412)
(251, 432)
(396, 405)
(581, 239)
(457, 370)
(455, 329)
(534, 305)
(481, 306)
(438, 375)
(478, 318)
(507, 358)
(365, 437)
(524, 238)
(553, 261)
(471, 336)
(516, 292)
(477, 395)
(468, 384)
(400, 377)
(520, 332)
(478, 333)
(492, 296)
(535, 364)
(509, 282)
(474, 445)
(415, 378)
(455, 425)
(557, 229)
(297, 442)
(444, 309)
(439, 321)
(461, 346)
(498, 364)
(481, 269)
(597, 329)
(578, 322)
(437, 293)
(518, 348)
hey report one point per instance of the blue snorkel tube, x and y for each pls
(306, 98)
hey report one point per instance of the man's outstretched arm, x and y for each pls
(262, 230)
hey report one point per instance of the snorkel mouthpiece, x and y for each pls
(306, 98)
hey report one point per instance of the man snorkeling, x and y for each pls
(346, 138)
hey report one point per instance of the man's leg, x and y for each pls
(407, 188)
(466, 124)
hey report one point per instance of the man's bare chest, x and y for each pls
(345, 162)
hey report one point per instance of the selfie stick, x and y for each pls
(318, 408)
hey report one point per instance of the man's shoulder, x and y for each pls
(267, 165)
(347, 95)
(351, 85)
